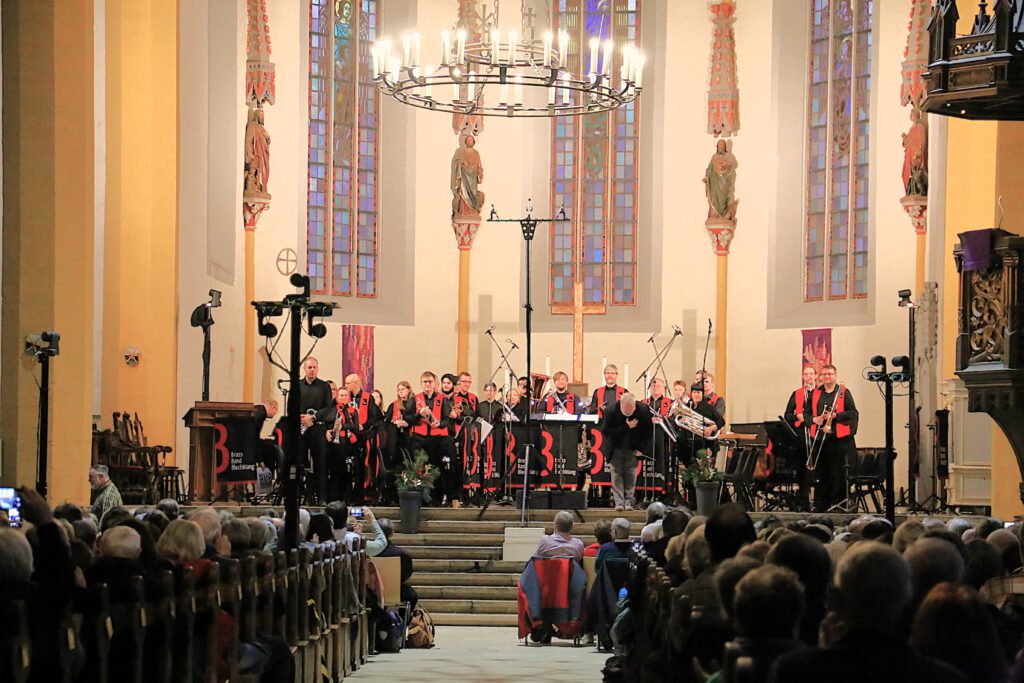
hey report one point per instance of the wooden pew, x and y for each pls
(314, 615)
(364, 614)
(93, 605)
(291, 619)
(15, 648)
(231, 602)
(280, 594)
(159, 621)
(205, 638)
(183, 634)
(328, 607)
(265, 575)
(342, 597)
(251, 591)
(127, 612)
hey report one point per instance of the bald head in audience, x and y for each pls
(872, 586)
(15, 556)
(121, 541)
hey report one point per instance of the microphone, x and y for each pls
(282, 381)
(709, 325)
(651, 338)
(489, 330)
(514, 345)
(678, 331)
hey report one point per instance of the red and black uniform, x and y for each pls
(340, 454)
(839, 445)
(435, 441)
(366, 465)
(798, 402)
(566, 398)
(604, 397)
(717, 402)
(396, 439)
(661, 446)
(467, 405)
(662, 405)
(490, 449)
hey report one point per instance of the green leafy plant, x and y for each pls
(417, 474)
(702, 468)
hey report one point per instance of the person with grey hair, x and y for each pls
(239, 536)
(118, 562)
(620, 547)
(168, 506)
(932, 561)
(561, 543)
(872, 591)
(104, 493)
(958, 525)
(628, 431)
(258, 532)
(15, 557)
(652, 530)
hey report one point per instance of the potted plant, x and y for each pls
(414, 482)
(705, 479)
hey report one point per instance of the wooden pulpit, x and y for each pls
(202, 471)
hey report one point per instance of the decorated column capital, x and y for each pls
(465, 232)
(721, 232)
(916, 207)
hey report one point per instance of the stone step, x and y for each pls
(446, 619)
(506, 514)
(471, 539)
(424, 579)
(438, 526)
(442, 552)
(448, 565)
(464, 592)
(470, 606)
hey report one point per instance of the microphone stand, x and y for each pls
(659, 356)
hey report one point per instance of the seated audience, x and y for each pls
(392, 550)
(603, 534)
(906, 533)
(656, 512)
(984, 562)
(239, 537)
(953, 626)
(810, 561)
(321, 530)
(619, 547)
(872, 590)
(932, 561)
(169, 507)
(561, 543)
(672, 525)
(120, 548)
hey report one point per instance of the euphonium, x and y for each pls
(692, 421)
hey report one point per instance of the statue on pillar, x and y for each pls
(915, 156)
(257, 157)
(720, 184)
(467, 172)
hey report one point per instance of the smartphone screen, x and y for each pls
(10, 502)
(357, 512)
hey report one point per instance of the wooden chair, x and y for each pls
(160, 607)
(342, 600)
(280, 595)
(205, 637)
(93, 607)
(266, 576)
(15, 646)
(127, 645)
(230, 596)
(251, 589)
(291, 619)
(364, 613)
(314, 612)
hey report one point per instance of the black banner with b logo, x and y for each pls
(234, 447)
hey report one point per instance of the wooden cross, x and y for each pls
(577, 332)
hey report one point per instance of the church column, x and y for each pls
(48, 91)
(720, 176)
(915, 140)
(259, 89)
(465, 232)
(141, 232)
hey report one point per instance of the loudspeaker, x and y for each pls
(549, 499)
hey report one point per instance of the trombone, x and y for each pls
(818, 444)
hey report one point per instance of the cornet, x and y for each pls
(823, 431)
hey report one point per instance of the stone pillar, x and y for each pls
(48, 164)
(465, 233)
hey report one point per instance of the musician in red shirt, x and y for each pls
(365, 416)
(839, 446)
(431, 432)
(794, 415)
(608, 394)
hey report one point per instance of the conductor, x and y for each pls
(628, 431)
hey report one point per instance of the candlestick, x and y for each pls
(416, 49)
(406, 49)
(607, 65)
(504, 93)
(565, 89)
(547, 47)
(512, 38)
(460, 38)
(495, 46)
(594, 42)
(428, 71)
(446, 46)
(547, 365)
(375, 54)
(519, 90)
(563, 48)
(638, 79)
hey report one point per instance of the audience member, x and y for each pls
(953, 625)
(987, 526)
(113, 517)
(392, 550)
(809, 560)
(68, 511)
(120, 548)
(656, 512)
(561, 543)
(872, 590)
(727, 575)
(727, 530)
(619, 547)
(104, 493)
(181, 542)
(603, 534)
(672, 525)
(958, 525)
(932, 561)
(239, 537)
(321, 530)
(984, 562)
(757, 550)
(259, 531)
(906, 533)
(168, 506)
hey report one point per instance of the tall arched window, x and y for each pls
(836, 231)
(344, 132)
(594, 173)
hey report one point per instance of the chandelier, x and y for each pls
(521, 77)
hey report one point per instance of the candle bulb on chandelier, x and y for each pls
(375, 55)
(416, 49)
(406, 49)
(594, 43)
(637, 80)
(552, 89)
(609, 46)
(469, 87)
(446, 46)
(428, 91)
(548, 37)
(519, 90)
(495, 46)
(627, 63)
(563, 48)
(394, 67)
(512, 38)
(461, 47)
(565, 89)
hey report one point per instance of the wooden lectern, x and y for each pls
(202, 470)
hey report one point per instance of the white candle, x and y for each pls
(563, 48)
(416, 49)
(519, 90)
(551, 93)
(547, 365)
(504, 93)
(461, 46)
(548, 37)
(428, 71)
(406, 49)
(638, 79)
(625, 376)
(512, 38)
(394, 67)
(446, 46)
(375, 53)
(495, 46)
(607, 66)
(565, 89)
(469, 87)
(594, 42)
(455, 92)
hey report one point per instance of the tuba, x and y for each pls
(692, 421)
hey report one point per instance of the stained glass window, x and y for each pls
(344, 131)
(838, 119)
(594, 172)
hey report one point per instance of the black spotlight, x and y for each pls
(905, 372)
(264, 310)
(881, 369)
(905, 301)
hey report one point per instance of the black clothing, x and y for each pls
(392, 550)
(620, 436)
(792, 417)
(596, 407)
(695, 443)
(316, 395)
(113, 571)
(862, 657)
(490, 411)
(848, 416)
(837, 449)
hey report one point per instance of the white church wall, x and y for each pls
(763, 357)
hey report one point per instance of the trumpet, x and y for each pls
(814, 453)
(692, 421)
(311, 412)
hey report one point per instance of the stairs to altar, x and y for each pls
(460, 575)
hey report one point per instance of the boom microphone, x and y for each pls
(489, 330)
(514, 345)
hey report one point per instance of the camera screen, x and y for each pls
(357, 512)
(10, 503)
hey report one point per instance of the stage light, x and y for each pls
(264, 310)
(905, 301)
(881, 372)
(904, 374)
(316, 330)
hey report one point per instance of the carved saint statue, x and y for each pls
(720, 183)
(257, 155)
(915, 156)
(467, 174)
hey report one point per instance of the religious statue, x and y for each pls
(257, 156)
(915, 156)
(720, 183)
(467, 174)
